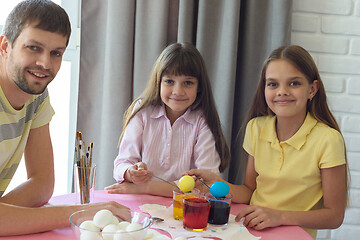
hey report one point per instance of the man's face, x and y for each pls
(34, 59)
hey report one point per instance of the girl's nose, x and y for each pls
(282, 90)
(178, 90)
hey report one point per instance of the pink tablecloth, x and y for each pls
(134, 201)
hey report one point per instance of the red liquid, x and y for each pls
(196, 213)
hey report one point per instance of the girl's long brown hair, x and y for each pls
(317, 107)
(184, 59)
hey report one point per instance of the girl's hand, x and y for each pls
(124, 188)
(137, 173)
(206, 176)
(259, 218)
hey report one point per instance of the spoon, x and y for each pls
(201, 180)
(165, 181)
(156, 219)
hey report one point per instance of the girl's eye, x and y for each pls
(271, 84)
(295, 83)
(188, 83)
(168, 81)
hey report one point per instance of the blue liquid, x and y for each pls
(219, 212)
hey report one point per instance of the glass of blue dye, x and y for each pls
(219, 209)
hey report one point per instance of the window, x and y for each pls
(63, 97)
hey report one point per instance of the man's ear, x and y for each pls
(4, 45)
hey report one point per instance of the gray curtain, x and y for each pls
(121, 39)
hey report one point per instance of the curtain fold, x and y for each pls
(120, 41)
(264, 26)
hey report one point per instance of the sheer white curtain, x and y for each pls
(122, 39)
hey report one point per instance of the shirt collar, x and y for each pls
(268, 132)
(189, 115)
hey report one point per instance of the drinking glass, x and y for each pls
(196, 213)
(84, 183)
(178, 201)
(219, 209)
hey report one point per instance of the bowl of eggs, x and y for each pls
(106, 225)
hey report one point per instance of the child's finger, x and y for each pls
(112, 190)
(197, 173)
(139, 173)
(244, 212)
(111, 186)
(150, 171)
(141, 166)
(252, 221)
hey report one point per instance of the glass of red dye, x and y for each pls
(195, 214)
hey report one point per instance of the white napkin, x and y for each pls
(232, 231)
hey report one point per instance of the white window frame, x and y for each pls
(72, 54)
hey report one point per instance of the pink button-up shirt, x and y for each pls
(167, 150)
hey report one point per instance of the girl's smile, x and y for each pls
(283, 101)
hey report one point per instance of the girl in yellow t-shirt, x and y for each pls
(296, 171)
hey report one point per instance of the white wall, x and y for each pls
(330, 31)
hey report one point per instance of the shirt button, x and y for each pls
(168, 144)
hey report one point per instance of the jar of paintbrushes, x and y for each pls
(84, 171)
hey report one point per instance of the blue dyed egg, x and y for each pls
(219, 189)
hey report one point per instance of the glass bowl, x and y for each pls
(139, 233)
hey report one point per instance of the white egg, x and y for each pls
(109, 230)
(90, 236)
(123, 225)
(180, 238)
(151, 233)
(133, 227)
(122, 235)
(102, 218)
(89, 225)
(116, 220)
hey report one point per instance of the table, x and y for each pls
(134, 201)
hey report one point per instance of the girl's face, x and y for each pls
(178, 93)
(287, 90)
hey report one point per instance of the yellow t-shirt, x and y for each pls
(15, 126)
(289, 175)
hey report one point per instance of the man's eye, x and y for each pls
(33, 48)
(56, 53)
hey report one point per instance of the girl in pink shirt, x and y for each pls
(171, 128)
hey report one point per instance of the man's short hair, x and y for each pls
(44, 14)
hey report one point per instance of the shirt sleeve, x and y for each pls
(249, 139)
(331, 150)
(44, 112)
(205, 153)
(130, 147)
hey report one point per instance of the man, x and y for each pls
(35, 36)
